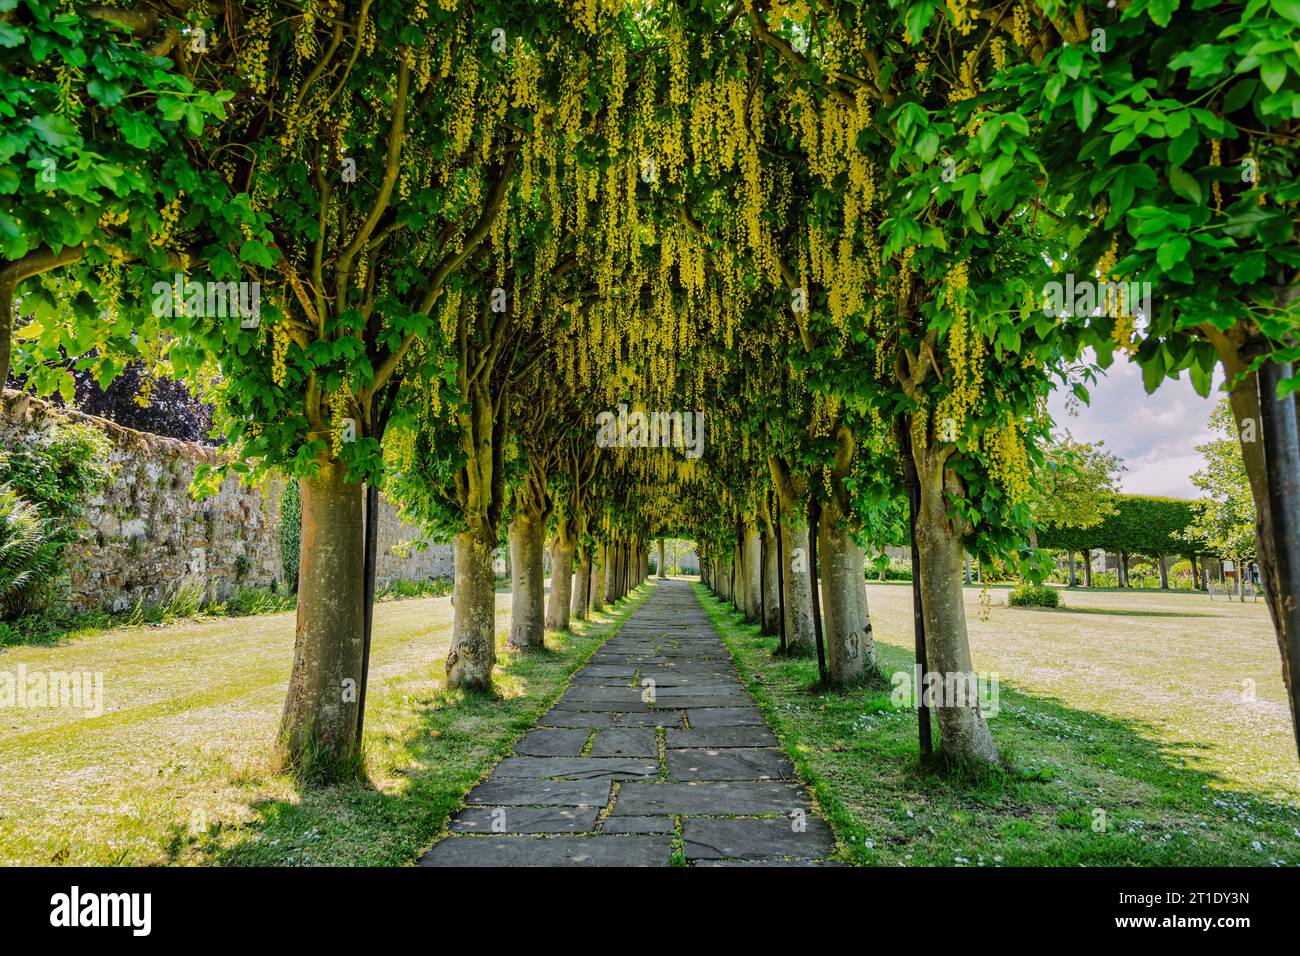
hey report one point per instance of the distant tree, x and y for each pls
(1078, 485)
(1224, 520)
(1077, 488)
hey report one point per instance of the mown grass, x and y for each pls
(1130, 741)
(178, 769)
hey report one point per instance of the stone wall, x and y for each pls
(146, 538)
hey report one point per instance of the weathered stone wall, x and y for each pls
(146, 538)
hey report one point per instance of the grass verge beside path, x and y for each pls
(178, 767)
(1084, 788)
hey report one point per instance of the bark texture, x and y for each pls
(771, 585)
(560, 603)
(797, 600)
(850, 649)
(318, 725)
(473, 651)
(596, 586)
(751, 567)
(962, 727)
(527, 584)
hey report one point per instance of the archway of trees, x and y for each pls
(768, 276)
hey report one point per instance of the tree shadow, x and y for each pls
(1114, 612)
(455, 741)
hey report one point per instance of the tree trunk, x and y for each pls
(596, 588)
(850, 650)
(561, 599)
(1164, 572)
(1069, 579)
(473, 634)
(527, 583)
(771, 582)
(1087, 567)
(611, 572)
(1240, 575)
(797, 599)
(753, 570)
(319, 722)
(663, 568)
(962, 728)
(581, 584)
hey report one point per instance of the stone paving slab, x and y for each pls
(553, 743)
(751, 735)
(589, 786)
(576, 768)
(573, 718)
(733, 690)
(638, 825)
(807, 839)
(638, 850)
(634, 742)
(525, 820)
(660, 718)
(711, 798)
(541, 793)
(734, 763)
(725, 717)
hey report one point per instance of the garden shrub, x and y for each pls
(58, 470)
(46, 480)
(1034, 595)
(290, 532)
(28, 558)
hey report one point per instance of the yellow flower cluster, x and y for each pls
(961, 17)
(1008, 460)
(170, 214)
(1216, 159)
(279, 352)
(338, 421)
(257, 41)
(1020, 28)
(965, 353)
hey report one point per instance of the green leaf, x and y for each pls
(1085, 106)
(1185, 184)
(258, 254)
(1172, 252)
(54, 129)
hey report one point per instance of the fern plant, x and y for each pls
(28, 558)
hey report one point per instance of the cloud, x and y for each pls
(1156, 435)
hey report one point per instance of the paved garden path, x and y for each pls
(655, 746)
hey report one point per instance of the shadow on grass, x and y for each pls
(456, 740)
(1082, 788)
(1114, 612)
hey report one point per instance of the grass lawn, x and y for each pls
(177, 770)
(1158, 718)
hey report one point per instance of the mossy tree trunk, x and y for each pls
(318, 724)
(797, 571)
(964, 731)
(770, 579)
(560, 604)
(527, 581)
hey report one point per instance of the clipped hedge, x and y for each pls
(1034, 595)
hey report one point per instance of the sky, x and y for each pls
(1156, 435)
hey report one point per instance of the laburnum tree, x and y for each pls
(1168, 138)
(366, 156)
(105, 114)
